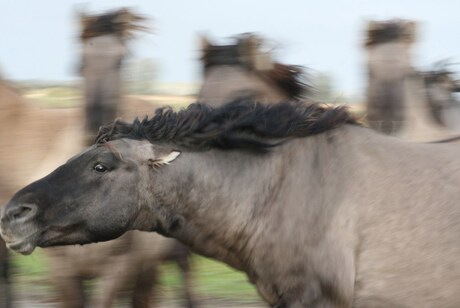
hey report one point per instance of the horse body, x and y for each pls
(342, 217)
(369, 241)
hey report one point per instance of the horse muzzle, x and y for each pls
(17, 227)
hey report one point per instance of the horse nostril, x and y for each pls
(23, 212)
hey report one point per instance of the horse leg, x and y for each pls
(5, 286)
(125, 278)
(184, 265)
(71, 292)
(143, 287)
(180, 254)
(111, 284)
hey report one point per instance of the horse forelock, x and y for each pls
(120, 22)
(389, 31)
(242, 124)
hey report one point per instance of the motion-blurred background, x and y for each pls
(54, 75)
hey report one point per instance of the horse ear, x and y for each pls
(410, 31)
(83, 18)
(164, 159)
(372, 25)
(205, 45)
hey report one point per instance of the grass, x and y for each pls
(211, 279)
(56, 97)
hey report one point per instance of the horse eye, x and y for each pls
(100, 168)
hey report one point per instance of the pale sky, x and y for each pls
(39, 42)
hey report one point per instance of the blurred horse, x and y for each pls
(136, 256)
(440, 88)
(104, 49)
(244, 69)
(6, 95)
(32, 139)
(398, 97)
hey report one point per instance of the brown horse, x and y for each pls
(244, 69)
(23, 148)
(7, 96)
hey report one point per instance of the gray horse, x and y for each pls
(397, 99)
(244, 69)
(317, 210)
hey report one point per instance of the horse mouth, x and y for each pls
(17, 242)
(24, 246)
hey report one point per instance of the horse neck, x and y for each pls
(245, 203)
(219, 204)
(102, 58)
(224, 83)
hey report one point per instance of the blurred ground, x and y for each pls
(214, 284)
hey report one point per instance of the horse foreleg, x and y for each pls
(71, 292)
(143, 287)
(184, 266)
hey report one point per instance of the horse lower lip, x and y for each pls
(24, 248)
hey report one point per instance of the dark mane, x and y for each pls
(389, 31)
(241, 124)
(120, 22)
(291, 79)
